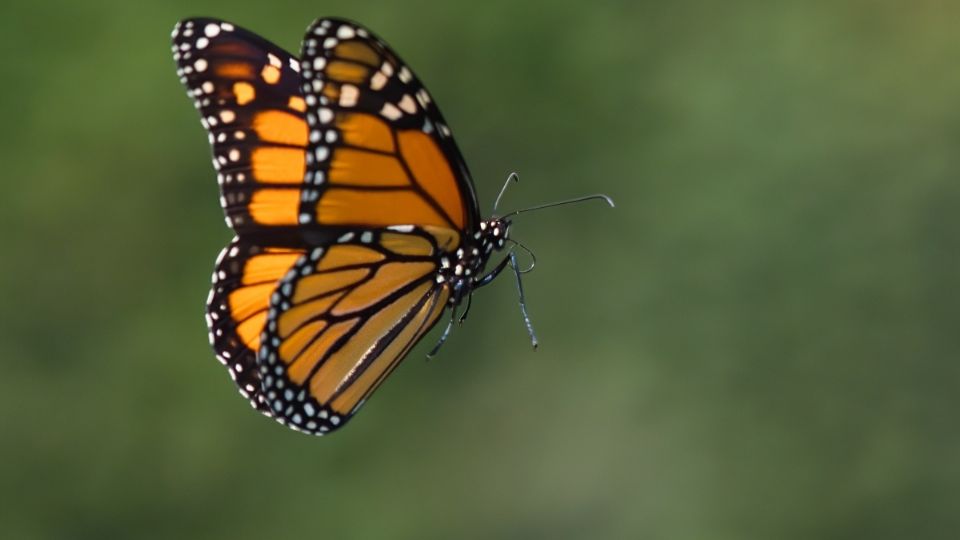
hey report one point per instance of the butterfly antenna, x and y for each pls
(512, 176)
(598, 196)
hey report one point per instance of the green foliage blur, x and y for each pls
(760, 342)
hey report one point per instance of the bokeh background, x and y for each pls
(760, 341)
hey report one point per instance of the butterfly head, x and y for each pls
(465, 267)
(492, 234)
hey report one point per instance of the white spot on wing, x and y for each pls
(378, 81)
(407, 104)
(390, 111)
(348, 95)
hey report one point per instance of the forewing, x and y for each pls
(248, 93)
(379, 151)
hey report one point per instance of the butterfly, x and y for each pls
(355, 215)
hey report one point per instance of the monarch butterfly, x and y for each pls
(355, 216)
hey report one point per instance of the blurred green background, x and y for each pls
(760, 341)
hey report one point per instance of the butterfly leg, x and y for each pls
(458, 295)
(523, 302)
(491, 274)
(463, 316)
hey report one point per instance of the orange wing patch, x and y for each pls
(365, 131)
(274, 164)
(432, 172)
(248, 301)
(294, 343)
(296, 317)
(316, 285)
(250, 329)
(358, 51)
(270, 74)
(341, 206)
(405, 244)
(243, 92)
(390, 277)
(348, 255)
(281, 127)
(359, 168)
(347, 72)
(320, 344)
(297, 103)
(235, 70)
(268, 267)
(274, 206)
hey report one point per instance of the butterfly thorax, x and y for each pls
(462, 269)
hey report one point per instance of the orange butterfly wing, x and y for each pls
(379, 152)
(247, 92)
(342, 320)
